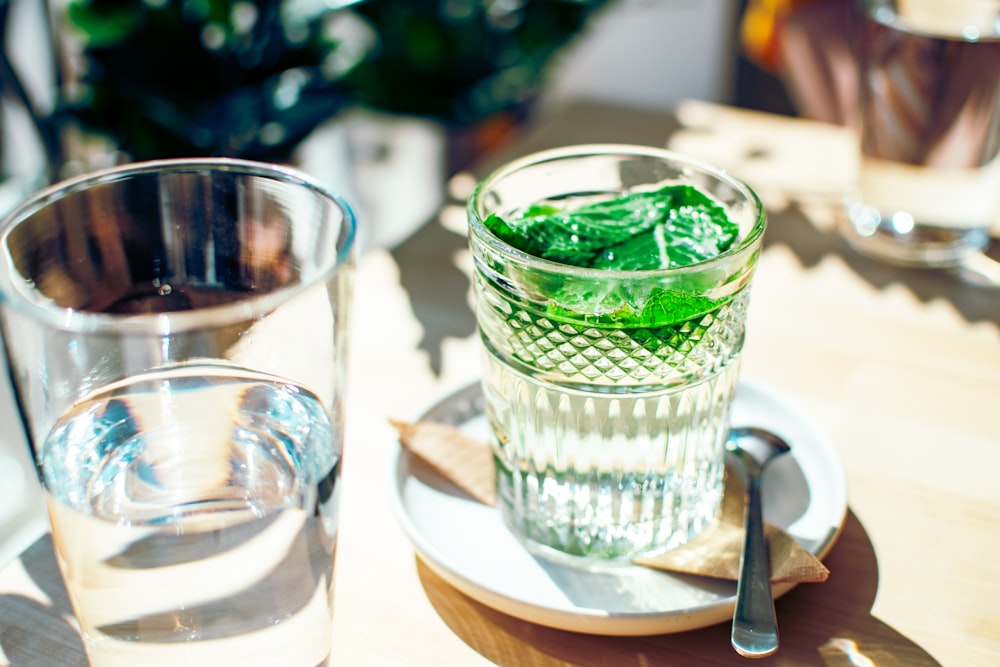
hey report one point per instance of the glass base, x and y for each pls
(897, 239)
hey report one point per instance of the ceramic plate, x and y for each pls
(469, 546)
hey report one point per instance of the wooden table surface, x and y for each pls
(900, 367)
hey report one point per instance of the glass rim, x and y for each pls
(13, 285)
(583, 150)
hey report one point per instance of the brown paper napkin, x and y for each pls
(715, 552)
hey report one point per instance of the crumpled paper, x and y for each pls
(715, 552)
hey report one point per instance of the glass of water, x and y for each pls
(175, 332)
(928, 189)
(612, 309)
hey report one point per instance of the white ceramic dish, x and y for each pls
(468, 545)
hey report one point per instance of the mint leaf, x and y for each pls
(677, 225)
(674, 226)
(670, 306)
(697, 229)
(664, 308)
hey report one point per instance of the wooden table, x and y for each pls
(901, 368)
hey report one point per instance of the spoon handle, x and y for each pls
(755, 628)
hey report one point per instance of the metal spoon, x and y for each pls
(755, 628)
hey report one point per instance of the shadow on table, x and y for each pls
(826, 625)
(38, 634)
(437, 289)
(792, 228)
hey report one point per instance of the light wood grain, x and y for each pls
(901, 368)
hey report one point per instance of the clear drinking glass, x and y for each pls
(928, 187)
(176, 334)
(609, 438)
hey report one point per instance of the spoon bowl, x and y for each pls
(755, 627)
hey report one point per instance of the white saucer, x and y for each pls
(469, 546)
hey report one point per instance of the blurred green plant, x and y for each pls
(252, 78)
(461, 60)
(170, 78)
